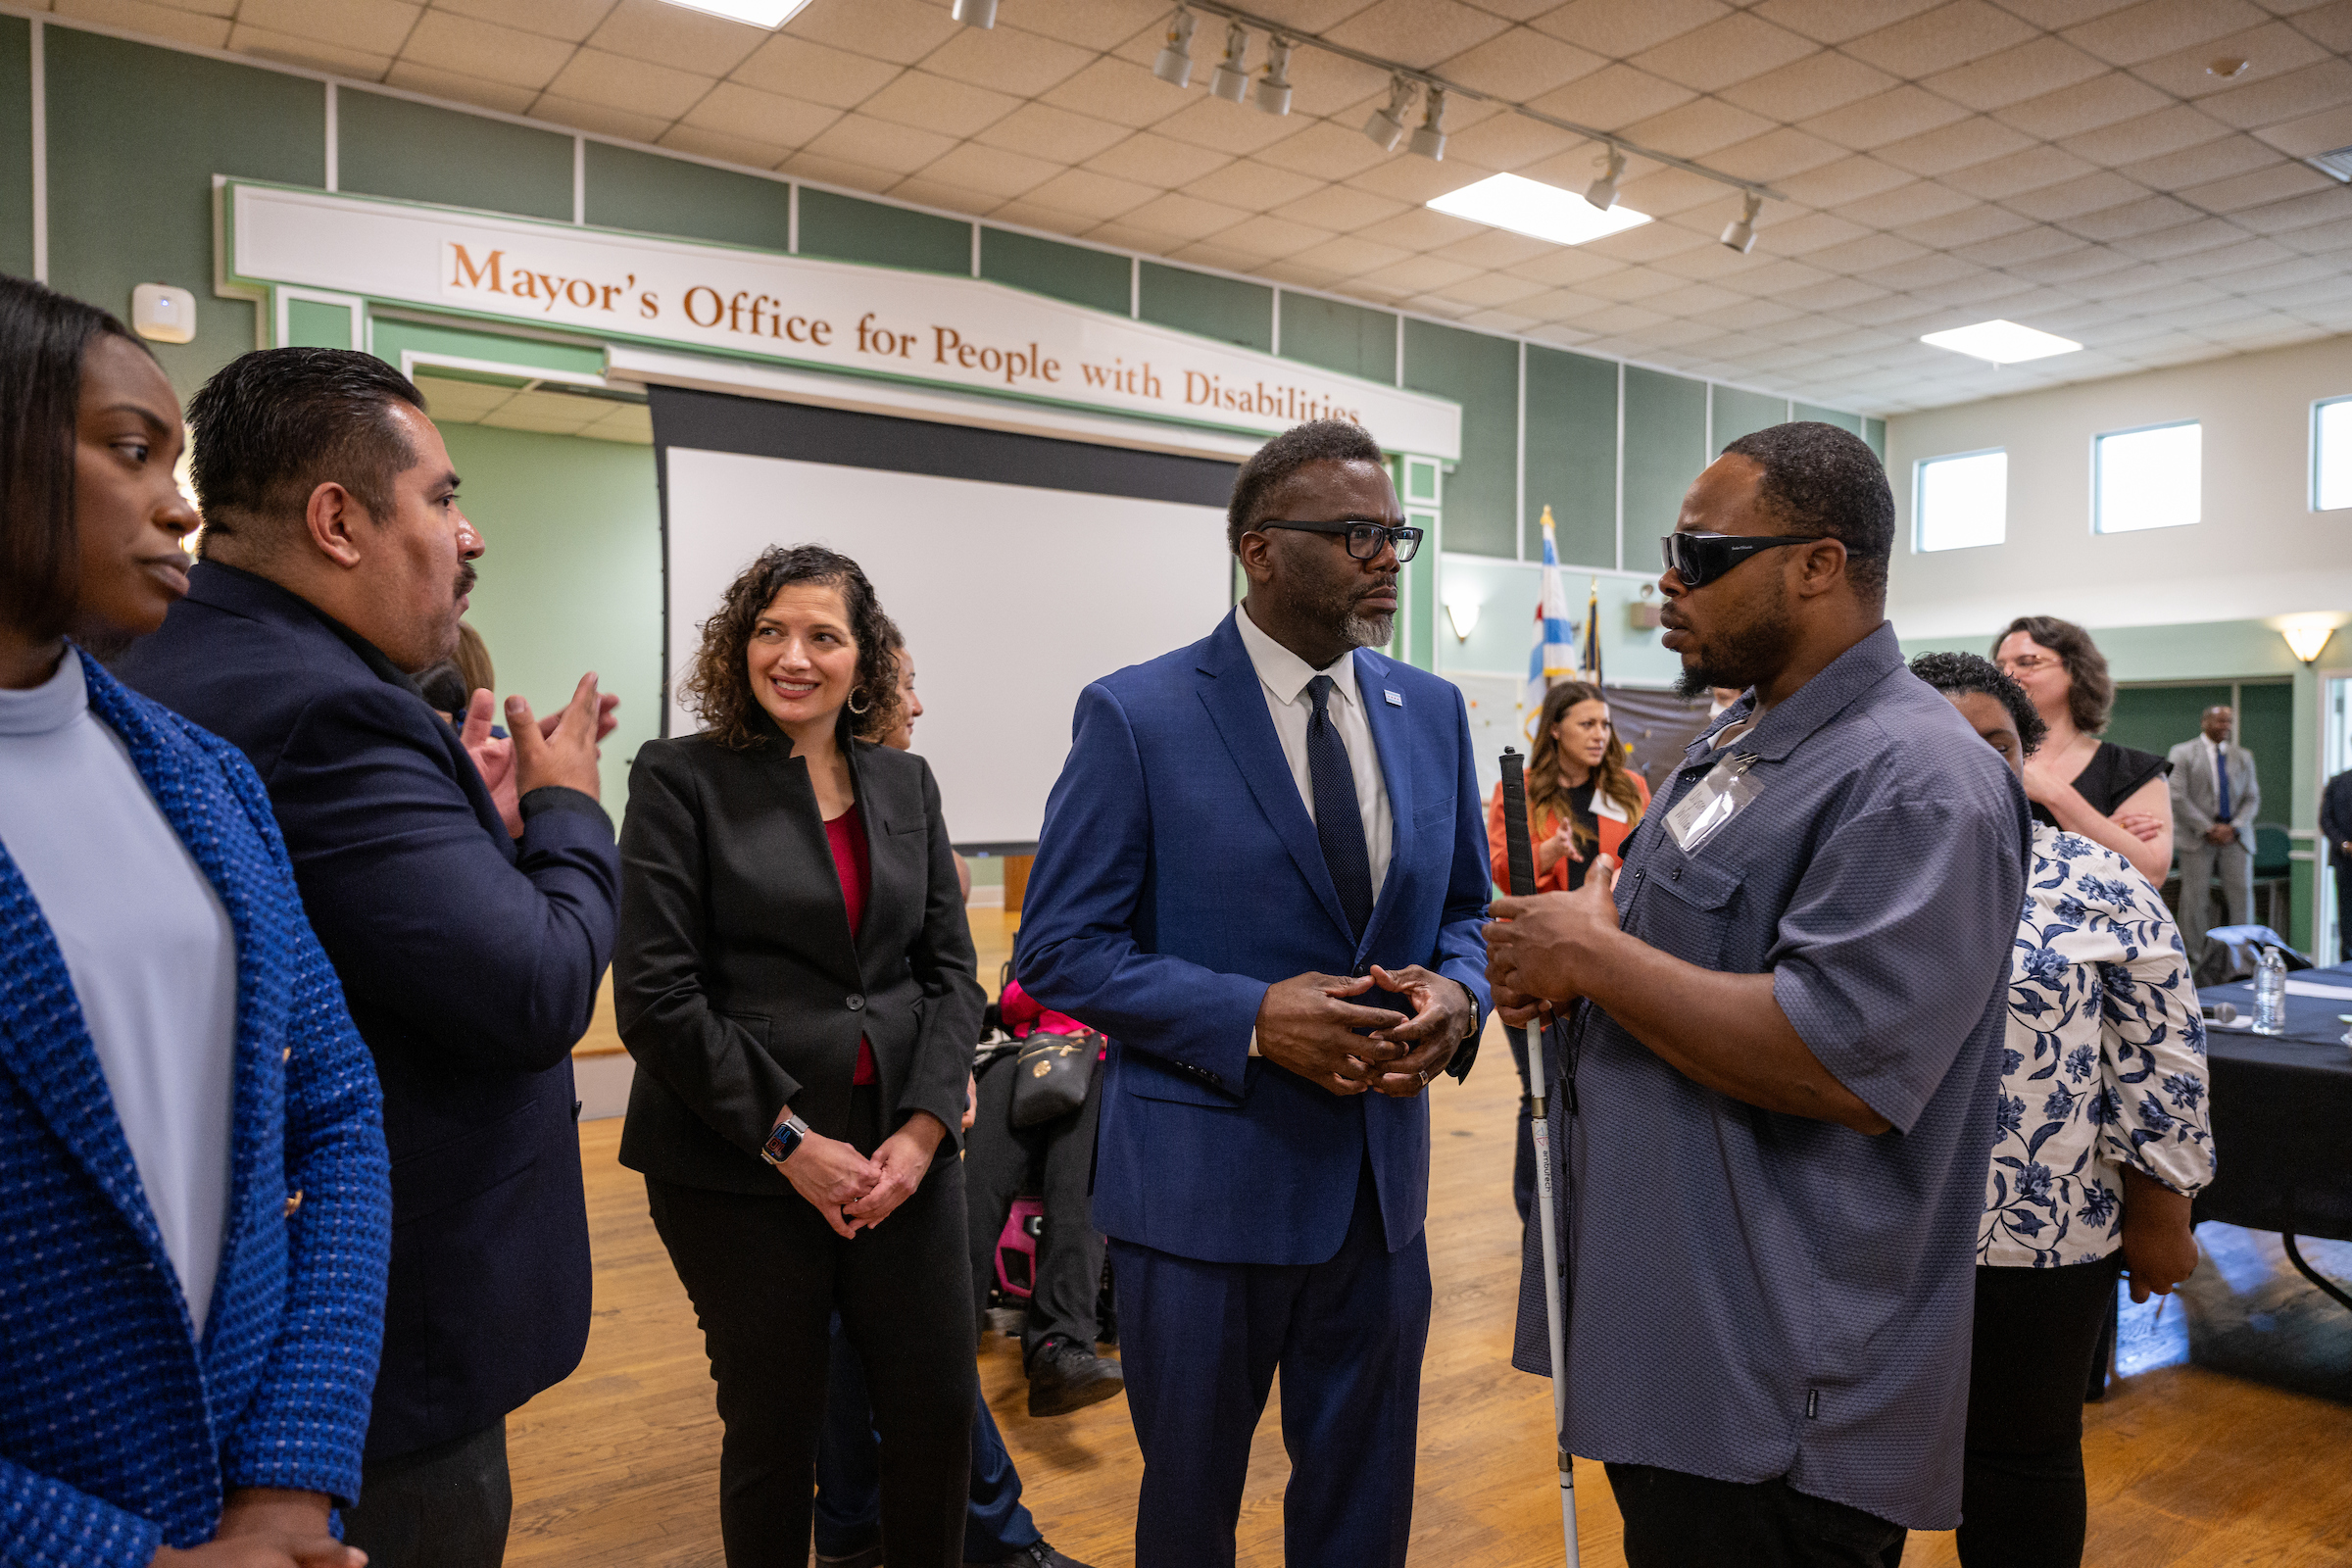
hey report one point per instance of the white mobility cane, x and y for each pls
(1522, 855)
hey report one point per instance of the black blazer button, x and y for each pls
(857, 1003)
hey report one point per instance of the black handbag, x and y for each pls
(1054, 1072)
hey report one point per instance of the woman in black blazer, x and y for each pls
(794, 976)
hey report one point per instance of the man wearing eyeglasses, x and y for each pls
(1782, 1028)
(1262, 873)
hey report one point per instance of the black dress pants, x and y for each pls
(997, 1164)
(443, 1506)
(765, 1275)
(1677, 1520)
(2022, 1498)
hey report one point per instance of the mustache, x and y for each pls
(1386, 584)
(465, 579)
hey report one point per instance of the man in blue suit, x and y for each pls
(469, 931)
(1262, 873)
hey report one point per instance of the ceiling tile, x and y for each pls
(1775, 156)
(1117, 89)
(1182, 216)
(1566, 265)
(2266, 52)
(1521, 63)
(482, 49)
(506, 97)
(2160, 26)
(1251, 185)
(897, 30)
(2130, 218)
(2255, 189)
(1955, 146)
(2075, 197)
(1092, 24)
(2149, 136)
(1003, 58)
(2222, 158)
(1416, 32)
(638, 86)
(2024, 245)
(704, 144)
(1811, 86)
(1698, 128)
(1922, 272)
(1157, 161)
(1027, 214)
(799, 69)
(2033, 68)
(666, 36)
(2325, 85)
(1731, 50)
(1267, 236)
(2330, 24)
(2297, 211)
(315, 53)
(2181, 239)
(1847, 179)
(1836, 21)
(1491, 289)
(857, 138)
(1968, 226)
(1911, 204)
(1888, 116)
(1342, 208)
(2320, 239)
(1215, 123)
(2262, 264)
(1042, 130)
(1325, 150)
(1612, 98)
(602, 118)
(1493, 249)
(1418, 229)
(1692, 298)
(2071, 111)
(1417, 274)
(935, 102)
(371, 26)
(2322, 132)
(572, 21)
(2068, 266)
(1414, 180)
(1614, 29)
(987, 171)
(1347, 257)
(842, 172)
(1630, 284)
(1861, 254)
(1939, 39)
(1806, 233)
(1511, 141)
(761, 117)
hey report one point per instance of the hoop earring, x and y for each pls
(861, 711)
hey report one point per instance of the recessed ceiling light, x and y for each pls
(758, 12)
(2001, 342)
(1533, 208)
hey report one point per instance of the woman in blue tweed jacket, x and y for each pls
(194, 1204)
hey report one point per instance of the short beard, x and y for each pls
(1368, 631)
(1743, 656)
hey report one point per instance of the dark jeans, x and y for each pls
(849, 1475)
(765, 1275)
(1674, 1520)
(2021, 1497)
(997, 1170)
(445, 1506)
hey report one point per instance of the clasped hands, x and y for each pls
(1543, 949)
(854, 1193)
(1308, 1025)
(265, 1527)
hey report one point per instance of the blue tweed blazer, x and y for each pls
(117, 1431)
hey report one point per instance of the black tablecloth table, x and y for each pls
(2282, 1118)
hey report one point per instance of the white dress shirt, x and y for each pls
(1283, 676)
(148, 946)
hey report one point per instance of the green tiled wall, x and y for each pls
(1843, 421)
(1571, 457)
(392, 147)
(1222, 308)
(843, 228)
(1348, 338)
(16, 146)
(1481, 375)
(1665, 447)
(1738, 413)
(317, 325)
(1072, 272)
(625, 188)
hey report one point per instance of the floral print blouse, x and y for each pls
(2104, 1066)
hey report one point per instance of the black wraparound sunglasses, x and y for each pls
(1698, 559)
(1365, 538)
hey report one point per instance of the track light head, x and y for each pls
(1740, 234)
(1232, 79)
(1602, 192)
(1430, 140)
(1274, 87)
(1386, 127)
(976, 12)
(1174, 65)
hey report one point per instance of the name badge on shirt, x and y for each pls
(1719, 797)
(1608, 808)
(1395, 701)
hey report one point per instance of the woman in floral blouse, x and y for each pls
(2101, 1138)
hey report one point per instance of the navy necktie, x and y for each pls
(1338, 821)
(2220, 768)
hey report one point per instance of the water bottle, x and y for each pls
(2270, 994)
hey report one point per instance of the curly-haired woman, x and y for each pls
(794, 976)
(2112, 795)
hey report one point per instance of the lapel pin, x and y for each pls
(1395, 701)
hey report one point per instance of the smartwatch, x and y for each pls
(784, 1140)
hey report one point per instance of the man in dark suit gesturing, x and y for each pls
(469, 927)
(1262, 874)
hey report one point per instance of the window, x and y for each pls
(2331, 455)
(2149, 478)
(1961, 500)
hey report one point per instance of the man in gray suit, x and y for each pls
(2215, 796)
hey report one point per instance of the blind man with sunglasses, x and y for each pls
(1783, 1024)
(1262, 873)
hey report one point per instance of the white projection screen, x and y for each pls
(1013, 594)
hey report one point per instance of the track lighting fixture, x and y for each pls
(1232, 79)
(976, 12)
(1274, 87)
(1386, 127)
(1174, 65)
(1430, 140)
(1740, 234)
(1602, 192)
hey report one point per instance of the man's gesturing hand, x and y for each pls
(1306, 1025)
(1543, 948)
(494, 758)
(562, 750)
(1443, 1014)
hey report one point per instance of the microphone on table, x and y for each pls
(2218, 1012)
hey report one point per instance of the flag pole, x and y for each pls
(1522, 859)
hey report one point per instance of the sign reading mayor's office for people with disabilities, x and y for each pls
(957, 332)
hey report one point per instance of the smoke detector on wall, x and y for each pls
(161, 313)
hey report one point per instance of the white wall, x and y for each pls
(2259, 551)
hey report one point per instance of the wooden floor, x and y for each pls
(616, 1467)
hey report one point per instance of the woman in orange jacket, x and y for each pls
(1582, 801)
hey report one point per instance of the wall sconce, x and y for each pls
(1463, 613)
(2307, 635)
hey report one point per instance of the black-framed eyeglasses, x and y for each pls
(1698, 559)
(1365, 538)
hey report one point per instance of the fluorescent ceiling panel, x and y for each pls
(1540, 210)
(2003, 342)
(758, 12)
